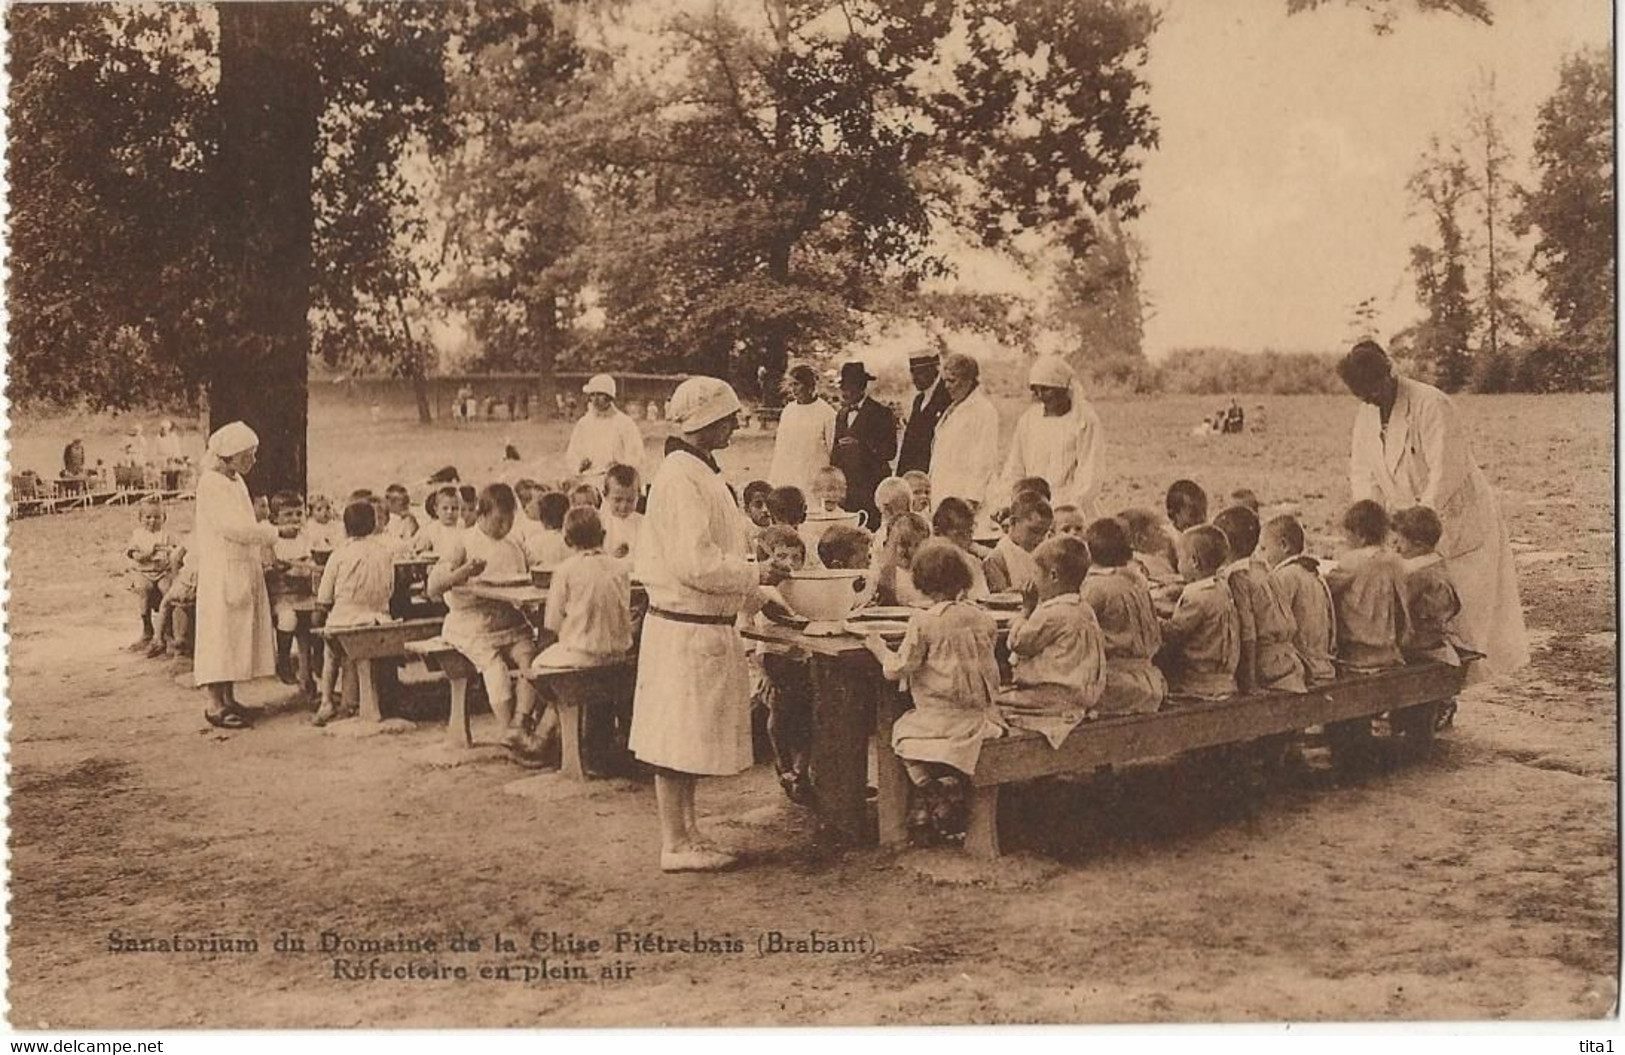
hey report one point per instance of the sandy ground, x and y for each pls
(1479, 884)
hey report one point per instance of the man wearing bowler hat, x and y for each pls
(865, 440)
(930, 400)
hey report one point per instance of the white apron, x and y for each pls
(235, 636)
(1424, 457)
(1066, 451)
(691, 708)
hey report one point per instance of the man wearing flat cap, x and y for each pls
(930, 400)
(865, 440)
(604, 436)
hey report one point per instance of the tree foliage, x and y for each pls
(1441, 346)
(1385, 14)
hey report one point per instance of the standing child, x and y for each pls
(1269, 661)
(491, 635)
(149, 552)
(919, 492)
(445, 510)
(1202, 639)
(1056, 650)
(787, 681)
(955, 522)
(1431, 601)
(1128, 623)
(174, 626)
(1296, 579)
(621, 487)
(1368, 589)
(356, 587)
(1012, 565)
(947, 658)
(290, 580)
(323, 530)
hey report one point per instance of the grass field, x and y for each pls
(1480, 885)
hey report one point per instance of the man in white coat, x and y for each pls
(691, 708)
(965, 451)
(1058, 438)
(806, 432)
(1410, 447)
(604, 436)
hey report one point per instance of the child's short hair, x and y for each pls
(395, 489)
(525, 489)
(319, 499)
(1245, 496)
(1366, 522)
(917, 476)
(582, 528)
(1067, 557)
(586, 494)
(1109, 544)
(892, 489)
(787, 505)
(1035, 484)
(1029, 504)
(497, 498)
(842, 546)
(1186, 501)
(359, 519)
(757, 487)
(152, 502)
(1065, 507)
(285, 500)
(361, 494)
(1207, 548)
(952, 514)
(940, 570)
(778, 535)
(1420, 525)
(830, 477)
(1240, 527)
(1143, 528)
(913, 524)
(551, 509)
(432, 503)
(1287, 529)
(469, 495)
(621, 475)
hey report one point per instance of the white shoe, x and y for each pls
(696, 860)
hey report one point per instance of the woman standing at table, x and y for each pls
(691, 710)
(235, 641)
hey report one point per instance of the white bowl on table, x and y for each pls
(825, 595)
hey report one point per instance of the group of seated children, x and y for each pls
(1116, 615)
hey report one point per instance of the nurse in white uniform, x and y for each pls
(691, 711)
(235, 641)
(1058, 438)
(1410, 447)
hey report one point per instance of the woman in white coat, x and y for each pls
(1410, 447)
(235, 638)
(805, 435)
(691, 709)
(1058, 439)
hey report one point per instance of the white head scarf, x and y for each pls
(232, 439)
(702, 401)
(1050, 371)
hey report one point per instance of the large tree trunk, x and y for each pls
(415, 371)
(268, 104)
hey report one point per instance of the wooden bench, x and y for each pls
(360, 647)
(1411, 694)
(438, 655)
(588, 701)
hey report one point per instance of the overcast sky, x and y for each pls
(1277, 198)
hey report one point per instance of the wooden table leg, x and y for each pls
(458, 731)
(891, 778)
(982, 822)
(843, 721)
(570, 764)
(367, 674)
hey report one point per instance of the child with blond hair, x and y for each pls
(322, 528)
(622, 525)
(828, 490)
(1012, 566)
(356, 586)
(1057, 653)
(894, 580)
(919, 492)
(149, 550)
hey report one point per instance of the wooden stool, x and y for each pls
(576, 689)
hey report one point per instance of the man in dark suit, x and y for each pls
(930, 401)
(865, 440)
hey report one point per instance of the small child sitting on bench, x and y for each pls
(953, 678)
(1128, 623)
(1013, 565)
(1269, 661)
(589, 603)
(1296, 579)
(894, 581)
(356, 587)
(1368, 588)
(1202, 641)
(1431, 601)
(1056, 650)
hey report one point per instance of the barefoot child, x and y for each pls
(1268, 659)
(1128, 624)
(1368, 589)
(1296, 579)
(947, 657)
(356, 587)
(149, 552)
(1056, 650)
(1012, 565)
(622, 525)
(493, 636)
(1431, 602)
(1202, 639)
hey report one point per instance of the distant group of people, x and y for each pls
(141, 460)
